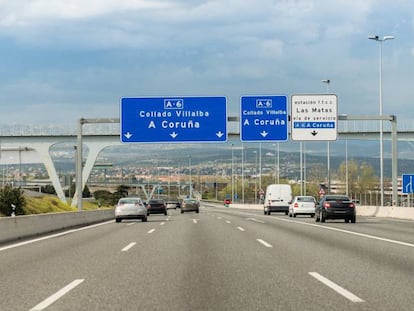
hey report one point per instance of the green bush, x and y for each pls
(9, 197)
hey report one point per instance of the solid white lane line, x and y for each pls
(241, 229)
(264, 243)
(48, 301)
(53, 236)
(151, 231)
(126, 248)
(131, 224)
(340, 290)
(228, 221)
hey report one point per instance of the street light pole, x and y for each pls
(189, 168)
(232, 172)
(380, 40)
(255, 177)
(328, 150)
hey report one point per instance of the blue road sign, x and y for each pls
(407, 183)
(173, 119)
(264, 118)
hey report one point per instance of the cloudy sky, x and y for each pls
(66, 59)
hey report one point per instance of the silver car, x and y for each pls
(302, 205)
(130, 208)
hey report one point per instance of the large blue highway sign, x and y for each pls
(263, 118)
(173, 119)
(407, 183)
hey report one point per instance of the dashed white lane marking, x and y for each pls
(126, 248)
(218, 217)
(264, 243)
(51, 299)
(162, 224)
(336, 229)
(256, 220)
(195, 220)
(241, 229)
(340, 290)
(228, 221)
(151, 231)
(131, 224)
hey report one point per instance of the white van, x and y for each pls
(277, 198)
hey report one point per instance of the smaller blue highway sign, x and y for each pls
(263, 118)
(407, 183)
(173, 119)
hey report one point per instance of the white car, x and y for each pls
(302, 205)
(130, 208)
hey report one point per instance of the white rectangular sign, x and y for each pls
(314, 117)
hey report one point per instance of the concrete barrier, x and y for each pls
(386, 211)
(19, 227)
(362, 210)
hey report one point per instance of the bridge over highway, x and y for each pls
(98, 134)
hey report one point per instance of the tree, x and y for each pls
(48, 189)
(9, 197)
(361, 177)
(86, 193)
(104, 197)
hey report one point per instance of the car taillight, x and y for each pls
(296, 204)
(352, 205)
(326, 205)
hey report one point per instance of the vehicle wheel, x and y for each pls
(294, 215)
(182, 212)
(353, 219)
(118, 219)
(322, 217)
(286, 213)
(145, 219)
(197, 211)
(312, 215)
(347, 220)
(290, 214)
(268, 212)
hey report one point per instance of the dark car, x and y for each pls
(335, 207)
(190, 205)
(156, 206)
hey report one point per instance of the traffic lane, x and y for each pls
(298, 287)
(197, 262)
(379, 271)
(386, 228)
(228, 268)
(36, 270)
(142, 278)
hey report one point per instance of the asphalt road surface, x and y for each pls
(219, 259)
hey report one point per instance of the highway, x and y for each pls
(219, 259)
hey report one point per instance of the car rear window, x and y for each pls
(128, 201)
(305, 199)
(338, 198)
(156, 201)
